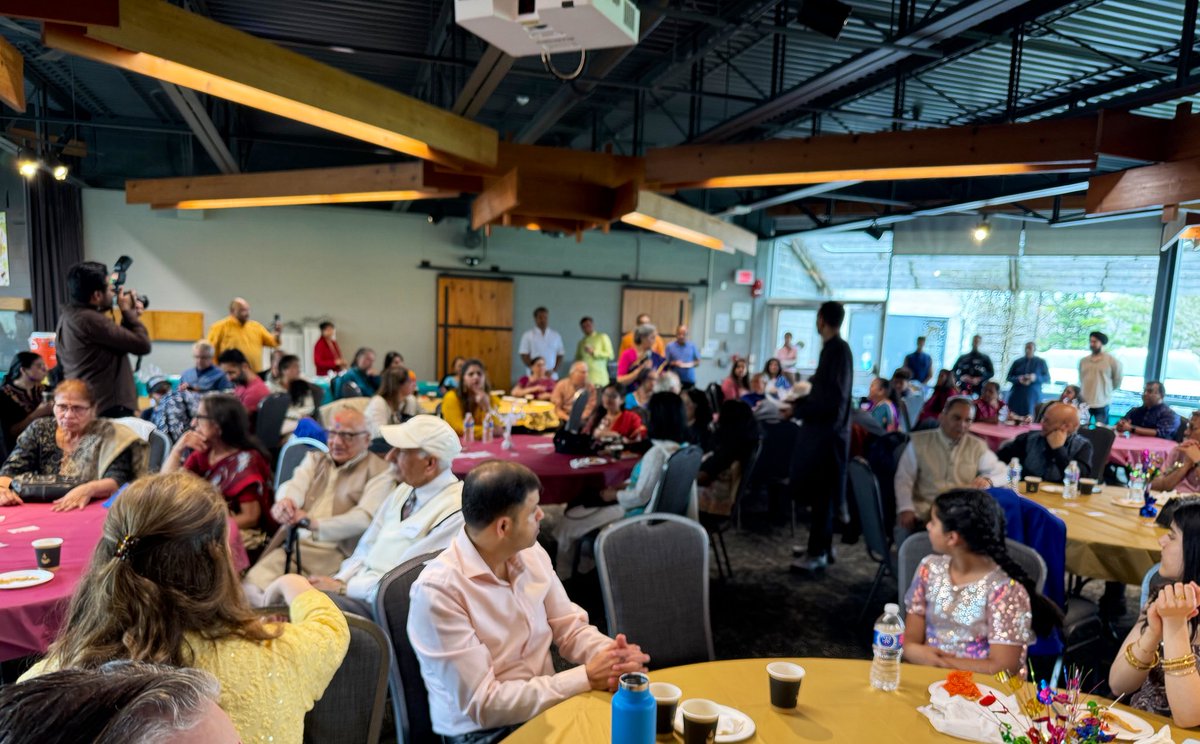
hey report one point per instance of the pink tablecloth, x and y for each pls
(1125, 451)
(560, 482)
(29, 618)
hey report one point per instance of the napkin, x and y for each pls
(962, 719)
(583, 462)
(1163, 736)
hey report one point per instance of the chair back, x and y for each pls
(865, 491)
(779, 447)
(159, 445)
(653, 572)
(296, 449)
(715, 396)
(326, 411)
(1147, 581)
(918, 546)
(410, 700)
(351, 710)
(575, 421)
(1102, 444)
(268, 424)
(749, 471)
(913, 403)
(674, 492)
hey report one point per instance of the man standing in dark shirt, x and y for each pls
(973, 369)
(823, 444)
(92, 347)
(920, 364)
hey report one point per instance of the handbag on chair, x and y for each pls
(42, 489)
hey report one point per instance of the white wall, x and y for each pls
(359, 267)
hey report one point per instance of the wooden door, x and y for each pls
(667, 308)
(475, 321)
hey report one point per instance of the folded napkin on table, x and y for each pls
(1162, 736)
(583, 462)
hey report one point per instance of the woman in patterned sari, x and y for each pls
(220, 449)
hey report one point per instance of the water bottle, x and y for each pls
(1085, 417)
(1014, 473)
(1071, 480)
(488, 429)
(633, 711)
(468, 429)
(1002, 416)
(889, 647)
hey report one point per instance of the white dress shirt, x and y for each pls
(390, 540)
(545, 344)
(484, 643)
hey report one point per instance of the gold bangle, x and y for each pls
(1179, 661)
(1181, 671)
(1137, 663)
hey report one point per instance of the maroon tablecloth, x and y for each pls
(30, 617)
(560, 482)
(1125, 451)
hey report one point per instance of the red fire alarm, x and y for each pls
(756, 289)
(744, 277)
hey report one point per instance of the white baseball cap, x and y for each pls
(424, 432)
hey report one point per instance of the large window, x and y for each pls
(1182, 372)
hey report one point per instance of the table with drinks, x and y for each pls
(564, 477)
(1126, 450)
(835, 702)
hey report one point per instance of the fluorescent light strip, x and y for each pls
(646, 222)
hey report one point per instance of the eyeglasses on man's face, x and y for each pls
(348, 436)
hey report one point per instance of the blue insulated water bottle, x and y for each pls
(633, 711)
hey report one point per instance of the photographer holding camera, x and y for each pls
(95, 349)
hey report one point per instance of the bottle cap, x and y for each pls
(635, 682)
(892, 608)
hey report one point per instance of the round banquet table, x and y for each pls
(1104, 541)
(30, 617)
(560, 482)
(1125, 451)
(837, 704)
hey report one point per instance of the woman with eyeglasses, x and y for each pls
(74, 444)
(220, 449)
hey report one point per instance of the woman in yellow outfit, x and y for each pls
(161, 588)
(471, 396)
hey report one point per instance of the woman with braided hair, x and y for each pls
(971, 606)
(1158, 661)
(161, 588)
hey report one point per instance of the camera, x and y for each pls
(117, 279)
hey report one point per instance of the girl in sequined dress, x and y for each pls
(1157, 661)
(971, 606)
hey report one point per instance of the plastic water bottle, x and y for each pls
(1002, 416)
(889, 647)
(633, 711)
(1071, 480)
(1014, 473)
(488, 429)
(468, 429)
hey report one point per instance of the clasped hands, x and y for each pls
(604, 670)
(1175, 604)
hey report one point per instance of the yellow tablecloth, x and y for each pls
(837, 704)
(1104, 541)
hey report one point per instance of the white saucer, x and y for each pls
(732, 725)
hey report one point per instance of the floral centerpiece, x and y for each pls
(1141, 474)
(1046, 715)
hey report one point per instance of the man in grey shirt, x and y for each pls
(1099, 376)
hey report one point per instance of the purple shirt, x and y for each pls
(1161, 418)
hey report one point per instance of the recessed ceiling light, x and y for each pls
(342, 49)
(522, 100)
(937, 273)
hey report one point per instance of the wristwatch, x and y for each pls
(342, 588)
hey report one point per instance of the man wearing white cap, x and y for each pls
(420, 516)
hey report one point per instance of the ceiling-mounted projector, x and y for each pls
(527, 28)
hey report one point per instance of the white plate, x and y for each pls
(1051, 488)
(1140, 727)
(984, 691)
(737, 725)
(1128, 503)
(31, 576)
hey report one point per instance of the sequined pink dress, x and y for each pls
(966, 620)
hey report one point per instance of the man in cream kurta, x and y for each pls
(420, 515)
(338, 492)
(940, 459)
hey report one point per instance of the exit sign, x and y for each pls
(743, 276)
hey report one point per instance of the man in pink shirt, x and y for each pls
(485, 611)
(247, 386)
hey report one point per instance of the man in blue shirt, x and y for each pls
(683, 358)
(919, 363)
(206, 376)
(1027, 375)
(1153, 418)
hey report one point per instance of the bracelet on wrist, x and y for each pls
(1179, 663)
(1132, 660)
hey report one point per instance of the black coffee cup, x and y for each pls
(48, 552)
(666, 698)
(1087, 486)
(786, 678)
(1032, 483)
(700, 719)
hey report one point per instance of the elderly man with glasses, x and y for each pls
(206, 376)
(337, 492)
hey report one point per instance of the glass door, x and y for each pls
(862, 329)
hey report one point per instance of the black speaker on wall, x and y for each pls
(826, 17)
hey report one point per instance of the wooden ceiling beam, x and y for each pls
(365, 183)
(1143, 188)
(678, 220)
(12, 76)
(541, 198)
(162, 41)
(1068, 145)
